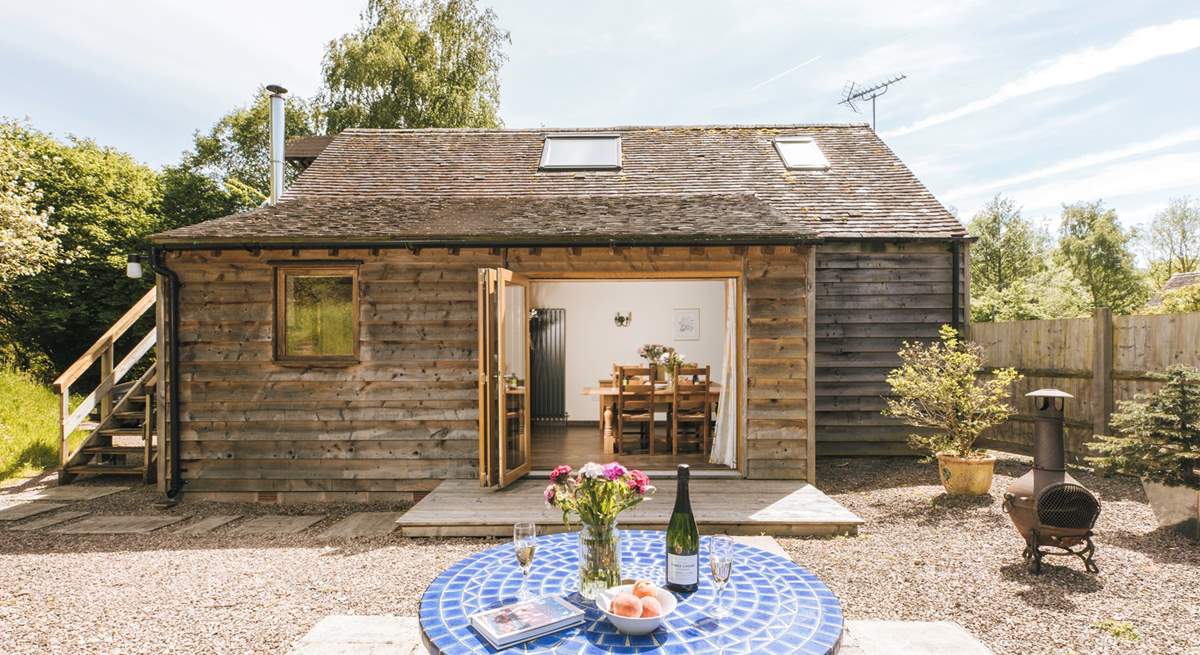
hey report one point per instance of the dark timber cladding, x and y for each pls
(871, 297)
(404, 417)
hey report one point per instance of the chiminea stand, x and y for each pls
(1053, 512)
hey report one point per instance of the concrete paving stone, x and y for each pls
(914, 638)
(109, 524)
(208, 524)
(47, 521)
(363, 524)
(18, 511)
(362, 635)
(764, 542)
(71, 492)
(277, 524)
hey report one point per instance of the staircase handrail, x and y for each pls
(110, 375)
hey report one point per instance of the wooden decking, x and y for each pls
(460, 508)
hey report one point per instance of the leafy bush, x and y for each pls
(937, 388)
(1158, 435)
(1179, 301)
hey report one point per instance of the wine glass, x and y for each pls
(524, 543)
(720, 565)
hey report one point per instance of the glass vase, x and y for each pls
(599, 558)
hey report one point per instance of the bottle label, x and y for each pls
(683, 569)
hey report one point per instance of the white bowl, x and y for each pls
(636, 626)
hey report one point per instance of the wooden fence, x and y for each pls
(1100, 360)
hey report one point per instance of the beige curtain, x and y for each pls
(724, 443)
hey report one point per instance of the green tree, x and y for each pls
(1178, 301)
(1172, 239)
(1096, 250)
(28, 238)
(235, 155)
(432, 63)
(104, 203)
(1158, 435)
(1052, 293)
(1008, 248)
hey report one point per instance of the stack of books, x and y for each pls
(525, 621)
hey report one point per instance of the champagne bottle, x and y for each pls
(683, 540)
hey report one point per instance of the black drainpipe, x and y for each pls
(955, 277)
(158, 265)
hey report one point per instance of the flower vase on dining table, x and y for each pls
(599, 558)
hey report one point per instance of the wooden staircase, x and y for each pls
(120, 416)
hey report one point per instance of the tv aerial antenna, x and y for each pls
(853, 93)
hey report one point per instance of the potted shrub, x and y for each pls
(937, 388)
(1158, 439)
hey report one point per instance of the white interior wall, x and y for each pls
(594, 343)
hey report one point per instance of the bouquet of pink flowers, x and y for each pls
(597, 493)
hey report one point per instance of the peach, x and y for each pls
(651, 607)
(626, 605)
(643, 588)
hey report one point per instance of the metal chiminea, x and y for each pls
(1049, 508)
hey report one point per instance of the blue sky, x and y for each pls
(1048, 102)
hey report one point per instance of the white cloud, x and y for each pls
(1175, 171)
(1078, 163)
(793, 69)
(1137, 47)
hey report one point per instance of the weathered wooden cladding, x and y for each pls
(871, 297)
(406, 413)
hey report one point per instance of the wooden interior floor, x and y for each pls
(556, 443)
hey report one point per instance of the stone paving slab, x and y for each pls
(47, 521)
(362, 635)
(70, 492)
(764, 542)
(19, 511)
(108, 524)
(208, 524)
(277, 524)
(363, 524)
(913, 638)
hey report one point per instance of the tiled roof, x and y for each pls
(866, 192)
(1174, 283)
(1181, 280)
(577, 220)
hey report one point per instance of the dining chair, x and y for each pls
(691, 408)
(635, 405)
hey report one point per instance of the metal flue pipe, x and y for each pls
(277, 132)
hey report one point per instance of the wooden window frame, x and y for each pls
(279, 336)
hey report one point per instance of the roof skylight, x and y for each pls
(581, 152)
(801, 153)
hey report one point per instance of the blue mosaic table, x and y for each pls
(777, 606)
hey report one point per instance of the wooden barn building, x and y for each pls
(374, 331)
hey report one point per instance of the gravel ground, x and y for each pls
(924, 556)
(161, 593)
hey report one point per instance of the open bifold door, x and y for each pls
(504, 436)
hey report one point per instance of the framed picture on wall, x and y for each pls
(687, 324)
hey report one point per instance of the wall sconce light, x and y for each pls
(622, 319)
(133, 267)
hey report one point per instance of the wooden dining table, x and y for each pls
(608, 400)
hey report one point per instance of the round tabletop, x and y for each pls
(777, 606)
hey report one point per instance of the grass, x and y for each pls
(1118, 629)
(28, 426)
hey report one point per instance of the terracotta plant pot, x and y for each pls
(965, 477)
(1177, 508)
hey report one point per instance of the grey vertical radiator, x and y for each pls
(548, 359)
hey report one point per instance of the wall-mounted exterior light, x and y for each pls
(133, 267)
(622, 319)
